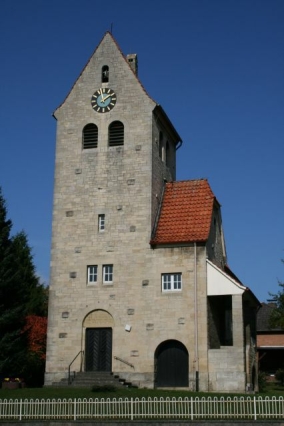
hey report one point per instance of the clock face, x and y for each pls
(103, 100)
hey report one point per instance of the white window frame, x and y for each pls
(107, 274)
(101, 222)
(171, 282)
(92, 274)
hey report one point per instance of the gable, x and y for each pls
(123, 79)
(220, 283)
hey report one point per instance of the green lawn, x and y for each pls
(69, 392)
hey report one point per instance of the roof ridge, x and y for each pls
(189, 180)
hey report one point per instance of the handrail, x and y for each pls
(125, 362)
(69, 367)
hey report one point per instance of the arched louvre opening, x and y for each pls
(116, 134)
(90, 136)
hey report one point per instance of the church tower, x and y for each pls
(139, 283)
(115, 148)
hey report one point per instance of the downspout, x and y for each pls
(196, 323)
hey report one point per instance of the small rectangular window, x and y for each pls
(101, 222)
(107, 274)
(92, 274)
(171, 282)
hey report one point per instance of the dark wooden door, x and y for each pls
(171, 364)
(98, 349)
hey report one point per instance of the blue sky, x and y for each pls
(215, 66)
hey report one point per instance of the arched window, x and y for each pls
(116, 134)
(105, 74)
(160, 144)
(90, 136)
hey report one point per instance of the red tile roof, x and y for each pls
(186, 213)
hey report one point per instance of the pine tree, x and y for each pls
(21, 294)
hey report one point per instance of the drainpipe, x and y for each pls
(196, 323)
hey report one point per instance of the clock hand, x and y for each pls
(106, 97)
(102, 96)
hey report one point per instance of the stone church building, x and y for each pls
(139, 285)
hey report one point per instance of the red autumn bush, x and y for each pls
(36, 331)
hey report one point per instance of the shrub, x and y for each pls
(262, 384)
(103, 388)
(280, 376)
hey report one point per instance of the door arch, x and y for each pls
(98, 326)
(171, 364)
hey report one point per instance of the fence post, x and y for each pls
(131, 408)
(191, 404)
(75, 409)
(254, 407)
(20, 416)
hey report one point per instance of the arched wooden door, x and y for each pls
(171, 361)
(98, 349)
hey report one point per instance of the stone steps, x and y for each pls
(93, 378)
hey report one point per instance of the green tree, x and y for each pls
(276, 319)
(21, 294)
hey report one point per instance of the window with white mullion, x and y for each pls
(92, 274)
(107, 274)
(171, 282)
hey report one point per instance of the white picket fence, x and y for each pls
(197, 408)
